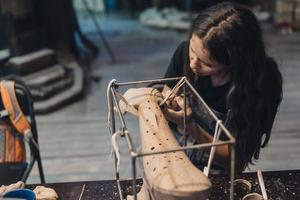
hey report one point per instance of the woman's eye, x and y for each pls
(193, 58)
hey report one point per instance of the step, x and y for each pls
(45, 76)
(47, 82)
(66, 96)
(43, 92)
(32, 62)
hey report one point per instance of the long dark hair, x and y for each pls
(233, 37)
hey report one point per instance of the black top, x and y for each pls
(215, 98)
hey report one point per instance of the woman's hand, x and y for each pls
(171, 102)
(175, 112)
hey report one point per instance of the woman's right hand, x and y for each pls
(171, 102)
(175, 114)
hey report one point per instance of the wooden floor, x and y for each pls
(75, 142)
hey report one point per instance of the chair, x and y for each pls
(11, 172)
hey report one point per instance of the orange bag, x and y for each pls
(14, 126)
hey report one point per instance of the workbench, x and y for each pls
(280, 185)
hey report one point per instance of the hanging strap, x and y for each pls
(10, 102)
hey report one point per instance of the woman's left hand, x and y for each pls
(177, 116)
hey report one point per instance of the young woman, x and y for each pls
(226, 62)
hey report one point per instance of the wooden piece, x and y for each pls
(170, 175)
(45, 193)
(4, 189)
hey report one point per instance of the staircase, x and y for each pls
(51, 82)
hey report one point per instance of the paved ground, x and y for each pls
(75, 143)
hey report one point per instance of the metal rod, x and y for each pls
(129, 142)
(208, 109)
(119, 188)
(185, 117)
(232, 171)
(262, 184)
(198, 146)
(213, 148)
(82, 191)
(112, 127)
(149, 81)
(111, 116)
(113, 92)
(133, 159)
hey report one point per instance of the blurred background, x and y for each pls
(67, 51)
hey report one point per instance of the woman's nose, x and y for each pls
(194, 63)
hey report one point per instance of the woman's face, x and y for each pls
(200, 62)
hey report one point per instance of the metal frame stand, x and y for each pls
(182, 82)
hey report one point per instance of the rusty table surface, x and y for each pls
(280, 185)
